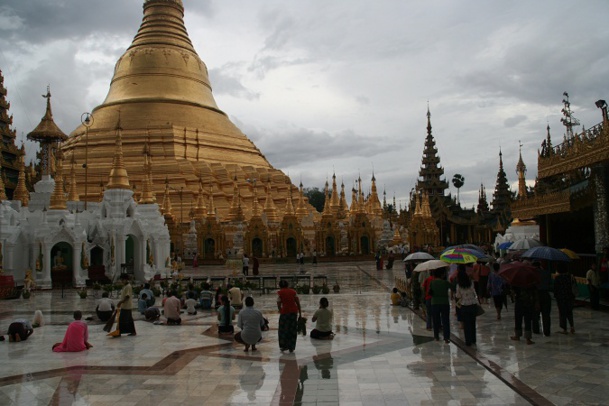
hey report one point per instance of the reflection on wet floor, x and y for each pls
(381, 355)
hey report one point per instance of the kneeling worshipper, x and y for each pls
(76, 338)
(19, 330)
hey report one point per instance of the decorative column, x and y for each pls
(79, 281)
(600, 207)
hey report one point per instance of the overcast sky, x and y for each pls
(341, 86)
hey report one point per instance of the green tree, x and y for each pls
(316, 197)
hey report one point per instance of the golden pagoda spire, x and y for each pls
(58, 198)
(118, 174)
(425, 207)
(343, 199)
(335, 202)
(289, 206)
(326, 211)
(21, 192)
(255, 204)
(269, 205)
(234, 206)
(73, 193)
(2, 187)
(147, 193)
(361, 203)
(417, 204)
(521, 170)
(200, 209)
(301, 210)
(166, 208)
(375, 204)
(353, 209)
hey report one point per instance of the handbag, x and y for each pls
(479, 310)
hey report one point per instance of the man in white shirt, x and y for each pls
(171, 310)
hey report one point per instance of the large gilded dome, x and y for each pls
(162, 97)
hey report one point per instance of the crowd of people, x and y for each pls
(473, 285)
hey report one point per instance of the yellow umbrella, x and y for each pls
(569, 253)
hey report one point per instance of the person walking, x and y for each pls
(288, 305)
(545, 302)
(125, 324)
(563, 293)
(526, 303)
(496, 287)
(246, 265)
(467, 299)
(440, 305)
(594, 281)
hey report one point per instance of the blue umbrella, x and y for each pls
(505, 245)
(546, 253)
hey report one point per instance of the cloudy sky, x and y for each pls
(341, 86)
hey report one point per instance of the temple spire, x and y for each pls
(501, 196)
(431, 172)
(118, 174)
(21, 192)
(58, 198)
(147, 193)
(521, 170)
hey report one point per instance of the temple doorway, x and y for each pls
(330, 246)
(209, 249)
(61, 265)
(365, 245)
(290, 246)
(257, 247)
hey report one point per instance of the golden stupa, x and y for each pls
(173, 133)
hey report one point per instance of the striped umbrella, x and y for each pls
(459, 256)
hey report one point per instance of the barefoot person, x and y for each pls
(76, 338)
(251, 323)
(323, 318)
(125, 324)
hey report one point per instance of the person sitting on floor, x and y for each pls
(19, 330)
(171, 309)
(206, 297)
(226, 315)
(191, 304)
(76, 338)
(323, 318)
(105, 307)
(395, 297)
(152, 314)
(142, 303)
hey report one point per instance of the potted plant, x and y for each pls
(305, 289)
(83, 293)
(336, 287)
(325, 289)
(26, 294)
(96, 286)
(316, 289)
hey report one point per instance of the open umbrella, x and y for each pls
(513, 255)
(546, 253)
(430, 265)
(418, 256)
(460, 256)
(520, 274)
(468, 246)
(505, 245)
(571, 254)
(525, 244)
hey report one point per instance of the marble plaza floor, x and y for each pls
(382, 355)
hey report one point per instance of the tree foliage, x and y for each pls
(316, 197)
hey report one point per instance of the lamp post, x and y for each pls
(87, 120)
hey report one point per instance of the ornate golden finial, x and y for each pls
(21, 192)
(269, 205)
(289, 206)
(301, 209)
(118, 174)
(58, 198)
(212, 208)
(166, 208)
(147, 193)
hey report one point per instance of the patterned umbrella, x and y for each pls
(520, 274)
(418, 256)
(547, 253)
(460, 256)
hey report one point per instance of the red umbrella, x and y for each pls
(520, 274)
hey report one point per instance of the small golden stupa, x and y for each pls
(173, 132)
